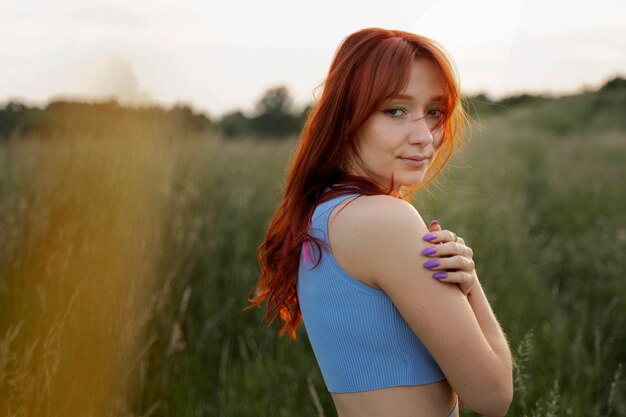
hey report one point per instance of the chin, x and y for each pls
(412, 182)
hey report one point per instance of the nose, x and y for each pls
(420, 132)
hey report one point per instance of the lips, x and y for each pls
(414, 162)
(416, 157)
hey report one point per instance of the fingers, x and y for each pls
(461, 263)
(434, 226)
(449, 249)
(451, 260)
(441, 236)
(465, 280)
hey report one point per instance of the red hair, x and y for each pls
(369, 66)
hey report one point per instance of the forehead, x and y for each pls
(425, 84)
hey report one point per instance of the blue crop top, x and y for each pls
(360, 340)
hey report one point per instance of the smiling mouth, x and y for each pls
(418, 157)
(415, 162)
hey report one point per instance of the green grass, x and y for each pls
(540, 205)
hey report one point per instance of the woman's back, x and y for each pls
(372, 362)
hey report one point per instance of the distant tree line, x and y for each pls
(482, 104)
(63, 117)
(274, 116)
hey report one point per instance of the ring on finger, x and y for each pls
(455, 236)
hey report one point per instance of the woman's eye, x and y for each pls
(435, 113)
(397, 109)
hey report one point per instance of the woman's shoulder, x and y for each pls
(373, 212)
(360, 227)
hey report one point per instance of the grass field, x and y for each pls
(125, 266)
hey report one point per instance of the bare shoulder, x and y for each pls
(358, 227)
(377, 211)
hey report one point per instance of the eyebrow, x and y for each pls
(410, 98)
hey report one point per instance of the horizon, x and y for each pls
(294, 108)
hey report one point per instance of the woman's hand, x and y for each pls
(455, 263)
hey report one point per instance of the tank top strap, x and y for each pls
(318, 224)
(323, 210)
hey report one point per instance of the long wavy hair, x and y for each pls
(369, 66)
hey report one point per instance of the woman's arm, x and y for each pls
(460, 332)
(491, 330)
(457, 256)
(454, 255)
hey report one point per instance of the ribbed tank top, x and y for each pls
(360, 340)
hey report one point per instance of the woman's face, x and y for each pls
(405, 128)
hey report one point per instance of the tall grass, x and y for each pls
(542, 210)
(81, 228)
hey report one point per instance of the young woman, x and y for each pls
(396, 316)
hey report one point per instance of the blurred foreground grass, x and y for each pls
(124, 267)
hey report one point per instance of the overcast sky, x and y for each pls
(220, 56)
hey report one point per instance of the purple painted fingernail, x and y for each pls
(430, 236)
(431, 264)
(434, 222)
(439, 275)
(429, 251)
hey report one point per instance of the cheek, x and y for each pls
(437, 140)
(377, 143)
